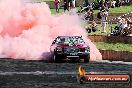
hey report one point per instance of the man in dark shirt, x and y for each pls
(86, 3)
(66, 5)
(70, 3)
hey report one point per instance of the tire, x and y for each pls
(56, 58)
(86, 58)
(82, 80)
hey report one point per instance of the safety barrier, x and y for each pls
(111, 39)
(116, 55)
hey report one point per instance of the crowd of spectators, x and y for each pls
(123, 26)
(97, 4)
(103, 7)
(102, 15)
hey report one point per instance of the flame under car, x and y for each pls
(70, 48)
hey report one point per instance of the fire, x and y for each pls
(81, 71)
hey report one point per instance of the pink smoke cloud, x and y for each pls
(28, 29)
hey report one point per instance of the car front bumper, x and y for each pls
(73, 55)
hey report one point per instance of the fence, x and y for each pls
(116, 55)
(111, 39)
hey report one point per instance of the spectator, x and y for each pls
(70, 4)
(109, 3)
(126, 1)
(66, 5)
(94, 26)
(92, 15)
(74, 3)
(117, 29)
(57, 2)
(121, 2)
(104, 16)
(119, 24)
(102, 5)
(95, 4)
(86, 3)
(122, 27)
(117, 3)
(129, 21)
(113, 4)
(99, 15)
(89, 15)
(124, 23)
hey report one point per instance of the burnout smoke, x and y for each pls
(28, 29)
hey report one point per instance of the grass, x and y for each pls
(53, 11)
(123, 9)
(114, 46)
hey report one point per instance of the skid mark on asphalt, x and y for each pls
(60, 73)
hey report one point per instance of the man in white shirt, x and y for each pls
(104, 16)
(74, 3)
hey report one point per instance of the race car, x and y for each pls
(70, 48)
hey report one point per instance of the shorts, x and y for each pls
(104, 24)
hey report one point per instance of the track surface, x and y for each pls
(38, 74)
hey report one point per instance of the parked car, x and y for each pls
(70, 48)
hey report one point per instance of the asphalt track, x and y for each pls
(39, 74)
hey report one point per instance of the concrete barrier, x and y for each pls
(116, 55)
(111, 39)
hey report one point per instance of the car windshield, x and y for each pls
(69, 40)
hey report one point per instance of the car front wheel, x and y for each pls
(86, 58)
(56, 58)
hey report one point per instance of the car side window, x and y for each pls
(56, 41)
(81, 40)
